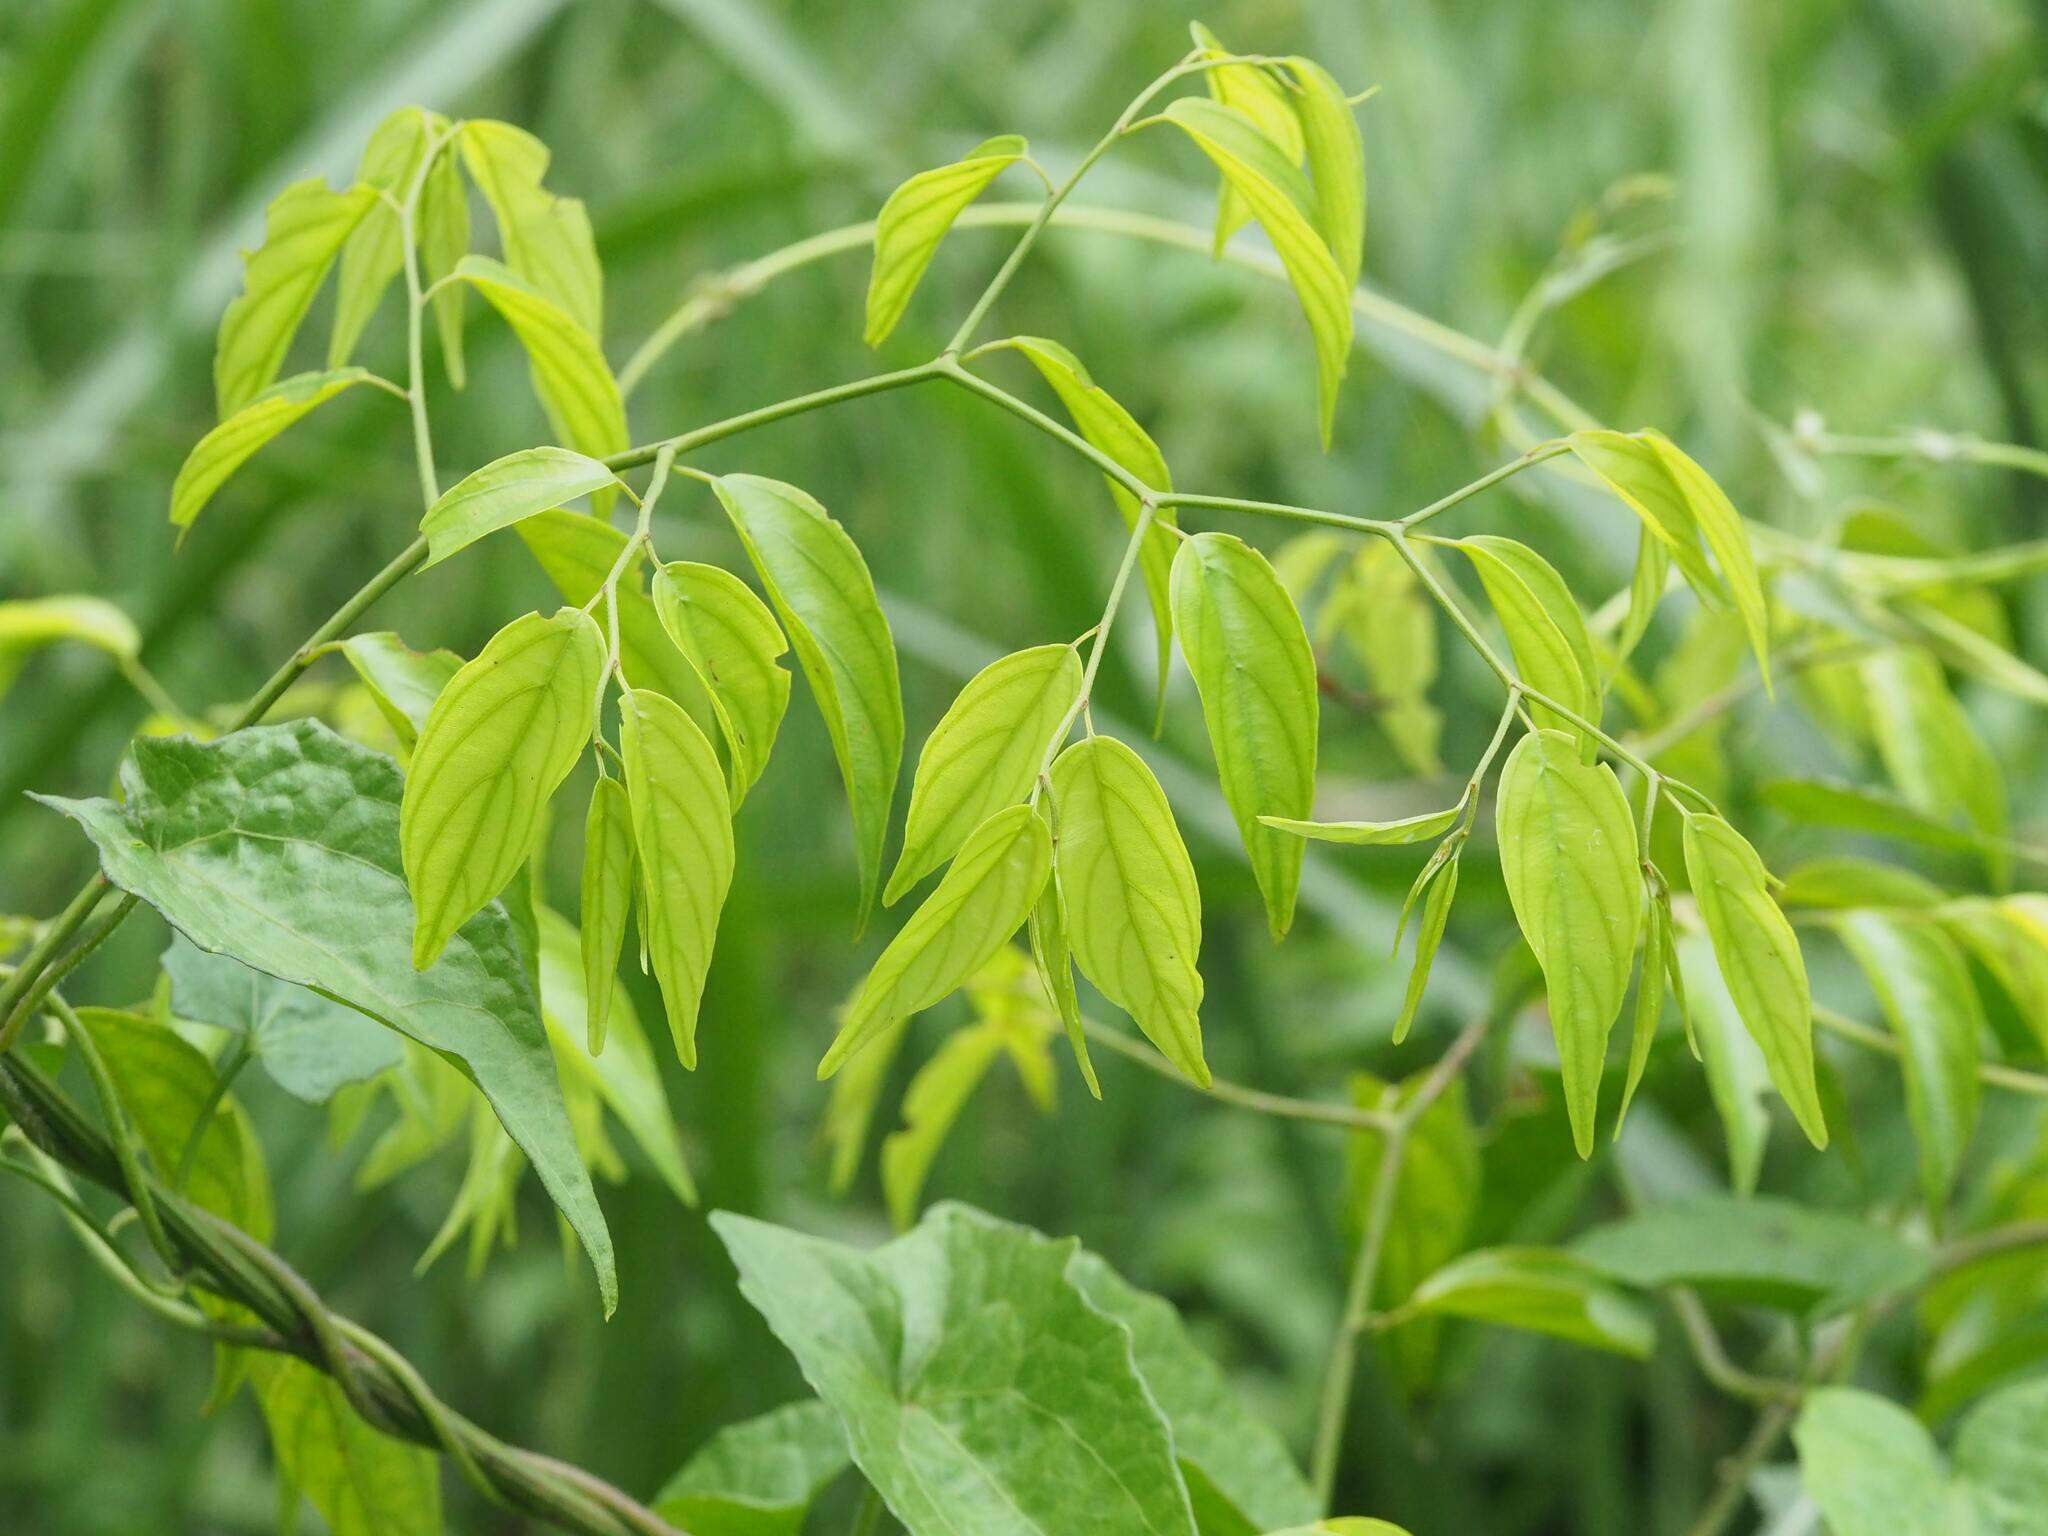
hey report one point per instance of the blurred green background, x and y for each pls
(1856, 224)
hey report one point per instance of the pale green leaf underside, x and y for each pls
(229, 446)
(502, 735)
(1545, 629)
(279, 845)
(915, 219)
(610, 875)
(1568, 855)
(375, 252)
(983, 900)
(821, 588)
(1256, 674)
(506, 491)
(1134, 912)
(983, 754)
(1409, 829)
(682, 833)
(731, 640)
(403, 682)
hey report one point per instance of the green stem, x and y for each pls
(1139, 530)
(1990, 1073)
(53, 938)
(685, 442)
(1535, 455)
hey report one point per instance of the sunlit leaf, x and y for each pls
(444, 241)
(1336, 164)
(1543, 1290)
(302, 233)
(503, 734)
(1283, 202)
(1545, 628)
(1409, 829)
(1924, 988)
(279, 845)
(984, 754)
(546, 239)
(375, 251)
(1389, 623)
(1436, 913)
(1759, 958)
(915, 219)
(1568, 854)
(228, 446)
(821, 588)
(983, 899)
(682, 830)
(1252, 90)
(610, 877)
(1109, 427)
(506, 491)
(1650, 978)
(1250, 657)
(731, 639)
(1134, 911)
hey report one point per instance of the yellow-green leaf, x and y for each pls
(1759, 959)
(228, 446)
(731, 640)
(606, 900)
(1053, 958)
(546, 239)
(363, 1482)
(1409, 829)
(1544, 1290)
(1282, 200)
(302, 232)
(820, 586)
(1568, 855)
(504, 732)
(682, 830)
(1436, 912)
(931, 1104)
(915, 219)
(570, 375)
(1336, 164)
(402, 682)
(1252, 665)
(984, 898)
(28, 624)
(1650, 979)
(1389, 623)
(1134, 911)
(1112, 429)
(506, 491)
(444, 241)
(983, 754)
(375, 252)
(1252, 90)
(1545, 629)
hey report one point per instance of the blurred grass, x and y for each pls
(1860, 227)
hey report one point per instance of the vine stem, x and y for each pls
(1357, 1315)
(1992, 1074)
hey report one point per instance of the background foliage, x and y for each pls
(1855, 226)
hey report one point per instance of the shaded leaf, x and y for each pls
(758, 1477)
(403, 682)
(375, 252)
(363, 1482)
(931, 1104)
(1544, 1290)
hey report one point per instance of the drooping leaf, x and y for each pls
(228, 446)
(28, 624)
(1568, 854)
(1650, 978)
(1436, 1198)
(682, 830)
(731, 639)
(1253, 90)
(279, 845)
(546, 239)
(1645, 590)
(503, 734)
(610, 876)
(506, 491)
(1134, 911)
(1336, 164)
(1436, 913)
(915, 219)
(403, 682)
(310, 1045)
(1409, 829)
(1755, 1250)
(1544, 1290)
(302, 232)
(983, 899)
(1052, 955)
(1680, 503)
(758, 1477)
(1759, 959)
(570, 376)
(1923, 986)
(1250, 657)
(856, 1088)
(363, 1482)
(1931, 750)
(980, 1392)
(2009, 938)
(820, 586)
(1108, 426)
(1231, 1453)
(1283, 202)
(931, 1105)
(1545, 629)
(375, 252)
(444, 241)
(625, 1079)
(984, 754)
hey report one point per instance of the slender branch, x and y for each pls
(1990, 1073)
(699, 437)
(1535, 455)
(1713, 1359)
